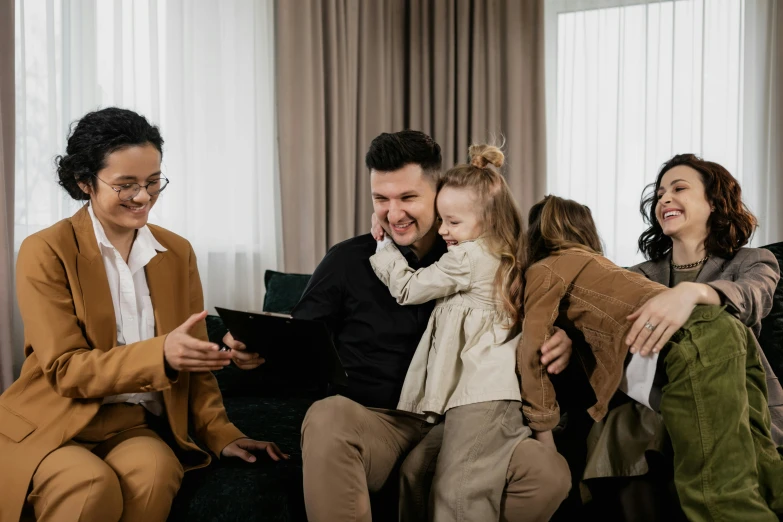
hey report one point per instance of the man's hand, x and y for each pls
(242, 447)
(556, 352)
(185, 353)
(239, 354)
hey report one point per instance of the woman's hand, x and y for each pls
(239, 354)
(556, 352)
(185, 353)
(659, 318)
(376, 229)
(242, 447)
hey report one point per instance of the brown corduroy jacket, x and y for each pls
(594, 295)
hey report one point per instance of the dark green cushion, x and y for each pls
(283, 291)
(771, 338)
(264, 409)
(230, 489)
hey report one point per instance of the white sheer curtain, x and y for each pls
(201, 70)
(631, 83)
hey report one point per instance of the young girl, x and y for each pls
(726, 465)
(463, 367)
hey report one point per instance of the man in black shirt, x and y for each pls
(352, 441)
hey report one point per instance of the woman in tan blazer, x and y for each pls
(117, 359)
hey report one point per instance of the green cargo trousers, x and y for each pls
(726, 466)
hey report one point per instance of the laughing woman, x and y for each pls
(117, 359)
(698, 229)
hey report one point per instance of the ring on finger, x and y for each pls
(649, 326)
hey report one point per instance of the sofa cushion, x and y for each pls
(771, 338)
(283, 290)
(231, 489)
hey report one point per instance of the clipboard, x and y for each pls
(295, 349)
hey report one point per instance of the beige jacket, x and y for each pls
(72, 362)
(467, 352)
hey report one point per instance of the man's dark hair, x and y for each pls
(392, 151)
(94, 137)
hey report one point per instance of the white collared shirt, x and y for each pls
(130, 296)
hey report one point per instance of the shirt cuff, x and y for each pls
(383, 243)
(541, 421)
(383, 258)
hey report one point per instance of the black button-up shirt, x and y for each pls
(375, 336)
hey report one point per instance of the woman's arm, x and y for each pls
(450, 275)
(543, 293)
(749, 298)
(210, 421)
(72, 367)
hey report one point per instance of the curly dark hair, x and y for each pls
(730, 225)
(94, 137)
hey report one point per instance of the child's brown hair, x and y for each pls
(555, 224)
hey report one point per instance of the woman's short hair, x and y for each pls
(93, 138)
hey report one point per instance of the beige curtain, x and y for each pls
(7, 113)
(775, 146)
(347, 70)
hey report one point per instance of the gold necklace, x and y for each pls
(689, 265)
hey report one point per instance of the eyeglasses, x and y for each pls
(128, 191)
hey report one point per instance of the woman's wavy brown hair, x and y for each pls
(501, 218)
(729, 227)
(556, 224)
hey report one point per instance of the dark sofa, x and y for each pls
(267, 409)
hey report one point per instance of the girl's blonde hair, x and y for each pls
(556, 224)
(501, 219)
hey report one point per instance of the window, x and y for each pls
(629, 85)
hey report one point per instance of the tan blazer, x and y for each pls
(72, 362)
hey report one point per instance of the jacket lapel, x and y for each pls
(101, 329)
(659, 270)
(712, 270)
(160, 277)
(160, 280)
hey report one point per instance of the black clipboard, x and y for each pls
(299, 349)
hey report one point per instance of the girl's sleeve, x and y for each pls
(543, 293)
(450, 275)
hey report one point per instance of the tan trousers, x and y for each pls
(116, 469)
(349, 450)
(458, 472)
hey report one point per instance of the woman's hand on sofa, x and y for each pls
(242, 447)
(239, 354)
